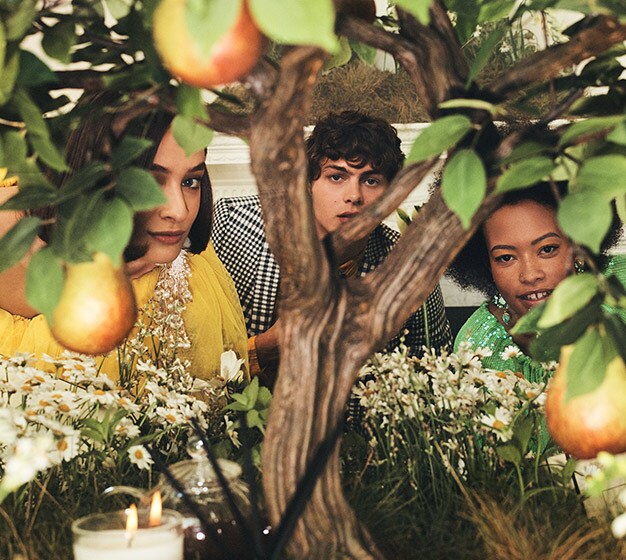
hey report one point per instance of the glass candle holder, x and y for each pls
(102, 536)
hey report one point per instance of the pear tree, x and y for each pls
(331, 325)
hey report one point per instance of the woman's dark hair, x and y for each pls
(93, 139)
(357, 138)
(471, 270)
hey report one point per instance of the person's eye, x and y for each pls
(191, 182)
(503, 258)
(549, 249)
(372, 182)
(335, 177)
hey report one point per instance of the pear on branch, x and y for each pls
(97, 308)
(585, 419)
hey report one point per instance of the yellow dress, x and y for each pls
(213, 320)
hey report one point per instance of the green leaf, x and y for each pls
(140, 189)
(209, 21)
(44, 281)
(618, 135)
(439, 136)
(297, 22)
(128, 150)
(30, 198)
(588, 363)
(83, 180)
(509, 452)
(9, 76)
(111, 229)
(18, 22)
(569, 297)
(12, 151)
(341, 56)
(119, 8)
(495, 10)
(48, 152)
(616, 330)
(525, 173)
(419, 8)
(523, 429)
(526, 150)
(606, 174)
(470, 104)
(17, 241)
(464, 184)
(190, 135)
(546, 346)
(3, 44)
(58, 40)
(528, 323)
(574, 216)
(189, 102)
(31, 114)
(589, 127)
(364, 51)
(484, 53)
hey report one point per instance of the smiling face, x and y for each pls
(528, 254)
(165, 229)
(342, 191)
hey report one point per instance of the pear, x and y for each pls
(97, 308)
(231, 57)
(596, 421)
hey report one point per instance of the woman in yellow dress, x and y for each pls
(177, 268)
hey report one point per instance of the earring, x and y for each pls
(579, 265)
(501, 303)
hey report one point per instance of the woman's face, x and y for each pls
(528, 254)
(165, 229)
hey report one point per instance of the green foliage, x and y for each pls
(525, 173)
(44, 281)
(17, 241)
(569, 297)
(588, 363)
(464, 184)
(438, 137)
(299, 22)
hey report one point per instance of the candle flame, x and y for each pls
(156, 509)
(132, 523)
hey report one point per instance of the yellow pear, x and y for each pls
(589, 423)
(97, 307)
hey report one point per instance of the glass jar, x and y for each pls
(199, 481)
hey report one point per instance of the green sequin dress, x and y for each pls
(482, 330)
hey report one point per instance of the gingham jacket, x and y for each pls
(239, 240)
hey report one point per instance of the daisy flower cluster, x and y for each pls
(68, 412)
(443, 404)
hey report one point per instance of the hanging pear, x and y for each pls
(97, 307)
(589, 423)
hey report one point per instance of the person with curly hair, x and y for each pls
(517, 258)
(352, 158)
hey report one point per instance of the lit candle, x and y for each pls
(102, 536)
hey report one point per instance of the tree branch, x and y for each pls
(602, 33)
(277, 154)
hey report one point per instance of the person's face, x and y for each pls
(165, 229)
(528, 254)
(342, 191)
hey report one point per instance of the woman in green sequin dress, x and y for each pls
(517, 258)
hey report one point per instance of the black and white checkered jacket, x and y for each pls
(239, 240)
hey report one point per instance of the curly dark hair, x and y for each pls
(471, 270)
(357, 138)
